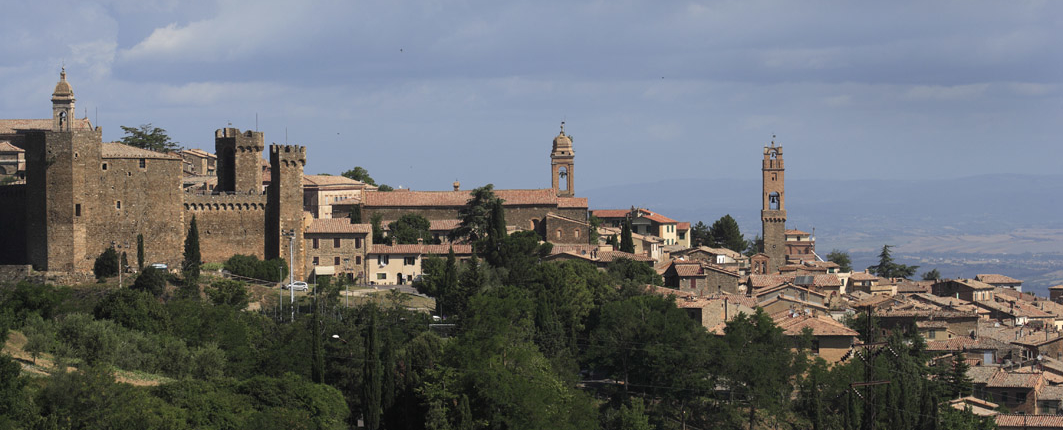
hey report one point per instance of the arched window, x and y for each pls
(773, 201)
(562, 178)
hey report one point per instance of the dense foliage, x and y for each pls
(149, 137)
(249, 266)
(523, 344)
(106, 264)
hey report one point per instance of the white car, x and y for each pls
(297, 286)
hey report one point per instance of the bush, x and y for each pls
(106, 264)
(212, 267)
(228, 292)
(133, 309)
(27, 298)
(249, 266)
(152, 281)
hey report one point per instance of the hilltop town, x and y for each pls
(68, 197)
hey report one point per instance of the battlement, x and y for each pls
(295, 150)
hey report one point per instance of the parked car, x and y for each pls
(297, 286)
(160, 266)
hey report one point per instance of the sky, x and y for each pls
(423, 93)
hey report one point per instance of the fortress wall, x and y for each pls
(13, 224)
(132, 200)
(228, 224)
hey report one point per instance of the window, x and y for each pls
(409, 261)
(558, 233)
(314, 243)
(77, 209)
(815, 346)
(358, 260)
(117, 204)
(316, 261)
(1020, 397)
(143, 163)
(383, 260)
(336, 242)
(381, 276)
(358, 242)
(575, 233)
(336, 261)
(104, 166)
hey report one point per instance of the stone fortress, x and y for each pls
(82, 195)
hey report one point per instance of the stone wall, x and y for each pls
(229, 224)
(13, 224)
(565, 231)
(134, 200)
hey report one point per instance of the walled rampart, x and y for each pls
(229, 224)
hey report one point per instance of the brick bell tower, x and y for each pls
(773, 211)
(562, 164)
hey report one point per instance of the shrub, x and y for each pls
(133, 309)
(228, 292)
(250, 266)
(152, 281)
(106, 264)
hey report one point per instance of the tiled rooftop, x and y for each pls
(118, 150)
(337, 225)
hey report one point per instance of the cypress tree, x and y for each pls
(371, 370)
(192, 255)
(317, 359)
(140, 252)
(626, 243)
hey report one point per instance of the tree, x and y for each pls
(378, 232)
(106, 264)
(841, 258)
(725, 233)
(886, 268)
(359, 173)
(626, 243)
(475, 216)
(385, 187)
(149, 137)
(409, 228)
(372, 372)
(140, 252)
(317, 358)
(228, 292)
(932, 275)
(133, 309)
(754, 245)
(699, 234)
(152, 281)
(593, 235)
(190, 266)
(638, 271)
(957, 381)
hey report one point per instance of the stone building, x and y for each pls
(83, 195)
(773, 209)
(525, 209)
(12, 162)
(335, 246)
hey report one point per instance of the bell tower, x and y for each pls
(62, 104)
(773, 210)
(562, 165)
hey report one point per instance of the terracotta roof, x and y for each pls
(198, 153)
(973, 283)
(337, 225)
(1051, 392)
(793, 232)
(118, 150)
(997, 279)
(580, 249)
(455, 198)
(682, 226)
(656, 217)
(863, 276)
(610, 213)
(965, 343)
(783, 298)
(913, 287)
(687, 270)
(820, 325)
(1056, 287)
(1037, 338)
(572, 202)
(6, 146)
(608, 256)
(665, 291)
(329, 180)
(767, 281)
(932, 324)
(1029, 421)
(9, 126)
(442, 249)
(1015, 379)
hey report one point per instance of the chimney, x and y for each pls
(457, 185)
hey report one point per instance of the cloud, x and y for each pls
(945, 92)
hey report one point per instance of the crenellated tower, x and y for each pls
(284, 205)
(239, 160)
(773, 210)
(562, 165)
